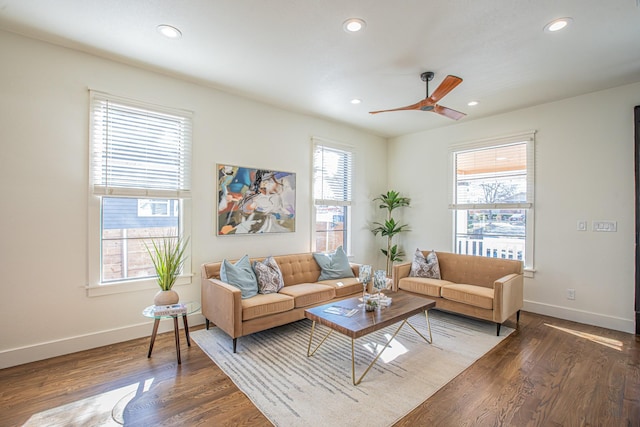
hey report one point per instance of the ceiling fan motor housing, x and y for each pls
(427, 76)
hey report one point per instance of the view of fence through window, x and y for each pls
(491, 191)
(492, 233)
(128, 224)
(330, 227)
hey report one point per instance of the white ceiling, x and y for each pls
(294, 53)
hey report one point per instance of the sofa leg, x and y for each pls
(518, 317)
(206, 323)
(498, 329)
(235, 341)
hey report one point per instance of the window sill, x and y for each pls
(529, 272)
(131, 286)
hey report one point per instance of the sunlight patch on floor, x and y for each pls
(104, 409)
(607, 342)
(394, 350)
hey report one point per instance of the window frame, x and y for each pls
(95, 286)
(527, 137)
(346, 204)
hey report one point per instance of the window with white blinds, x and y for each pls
(140, 176)
(332, 194)
(493, 197)
(137, 150)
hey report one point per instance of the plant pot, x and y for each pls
(166, 297)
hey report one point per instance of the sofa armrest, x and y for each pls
(399, 271)
(355, 268)
(508, 296)
(222, 305)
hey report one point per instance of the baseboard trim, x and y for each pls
(581, 316)
(46, 350)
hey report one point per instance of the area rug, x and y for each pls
(291, 389)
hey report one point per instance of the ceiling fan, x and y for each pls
(429, 103)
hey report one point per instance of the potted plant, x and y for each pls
(167, 256)
(391, 201)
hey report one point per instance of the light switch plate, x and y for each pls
(582, 225)
(605, 226)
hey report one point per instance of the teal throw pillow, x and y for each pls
(334, 265)
(240, 275)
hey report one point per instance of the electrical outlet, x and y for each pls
(571, 294)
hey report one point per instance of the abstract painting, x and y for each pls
(255, 201)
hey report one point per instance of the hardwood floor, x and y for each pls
(548, 373)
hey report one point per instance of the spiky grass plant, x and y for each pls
(168, 256)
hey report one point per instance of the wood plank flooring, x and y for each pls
(550, 372)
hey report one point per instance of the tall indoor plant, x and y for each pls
(167, 256)
(391, 201)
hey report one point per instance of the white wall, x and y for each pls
(44, 181)
(584, 171)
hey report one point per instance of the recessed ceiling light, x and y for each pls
(169, 31)
(356, 101)
(472, 103)
(557, 25)
(354, 25)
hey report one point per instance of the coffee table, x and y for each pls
(363, 322)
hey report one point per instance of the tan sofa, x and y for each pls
(223, 306)
(476, 286)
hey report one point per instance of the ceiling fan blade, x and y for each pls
(447, 85)
(415, 106)
(448, 112)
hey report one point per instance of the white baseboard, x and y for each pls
(45, 350)
(581, 316)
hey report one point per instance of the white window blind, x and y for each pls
(139, 151)
(332, 169)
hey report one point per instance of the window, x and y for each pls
(140, 185)
(332, 183)
(493, 198)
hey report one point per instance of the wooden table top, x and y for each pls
(364, 322)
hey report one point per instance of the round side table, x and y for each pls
(149, 312)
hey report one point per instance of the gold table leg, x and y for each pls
(430, 340)
(313, 326)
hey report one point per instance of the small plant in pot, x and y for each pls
(167, 256)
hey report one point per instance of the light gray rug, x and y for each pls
(291, 389)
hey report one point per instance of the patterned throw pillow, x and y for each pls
(334, 265)
(425, 267)
(269, 276)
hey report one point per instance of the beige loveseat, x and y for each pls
(476, 286)
(223, 306)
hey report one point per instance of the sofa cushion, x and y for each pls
(425, 267)
(344, 287)
(422, 285)
(334, 265)
(269, 276)
(306, 294)
(240, 275)
(477, 296)
(265, 304)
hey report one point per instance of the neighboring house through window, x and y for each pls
(332, 185)
(493, 195)
(140, 185)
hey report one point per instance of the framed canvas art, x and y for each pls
(255, 201)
